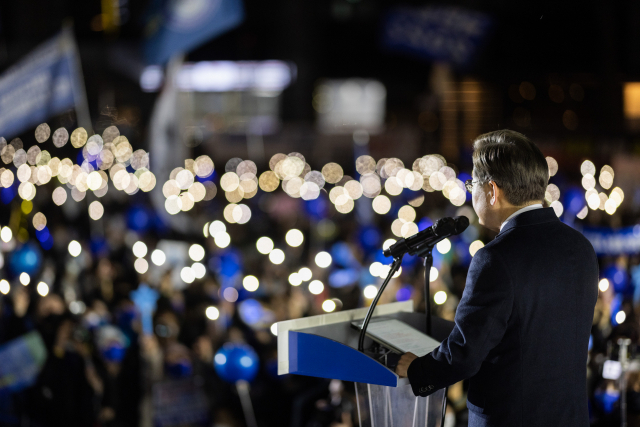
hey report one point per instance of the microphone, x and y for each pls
(462, 222)
(442, 228)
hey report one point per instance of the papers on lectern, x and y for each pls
(399, 337)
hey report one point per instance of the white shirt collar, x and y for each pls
(519, 211)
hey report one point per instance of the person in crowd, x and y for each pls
(65, 390)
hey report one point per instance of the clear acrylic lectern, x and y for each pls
(326, 346)
(383, 406)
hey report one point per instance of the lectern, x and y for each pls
(326, 346)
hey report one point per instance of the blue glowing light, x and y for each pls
(235, 361)
(574, 200)
(424, 223)
(317, 208)
(139, 218)
(251, 312)
(27, 258)
(340, 278)
(47, 244)
(404, 293)
(209, 177)
(370, 237)
(43, 235)
(7, 194)
(342, 255)
(618, 277)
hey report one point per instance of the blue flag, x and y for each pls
(175, 26)
(45, 83)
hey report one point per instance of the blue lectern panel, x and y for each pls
(318, 356)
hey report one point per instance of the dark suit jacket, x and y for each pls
(522, 328)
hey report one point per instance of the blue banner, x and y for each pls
(176, 26)
(446, 34)
(22, 359)
(45, 83)
(608, 241)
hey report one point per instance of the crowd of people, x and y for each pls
(102, 367)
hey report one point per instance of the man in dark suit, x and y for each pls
(522, 326)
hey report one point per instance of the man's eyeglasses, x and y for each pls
(469, 184)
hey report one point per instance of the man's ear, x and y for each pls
(493, 193)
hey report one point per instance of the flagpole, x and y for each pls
(79, 92)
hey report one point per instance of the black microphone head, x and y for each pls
(444, 226)
(396, 249)
(461, 224)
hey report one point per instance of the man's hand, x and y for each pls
(403, 364)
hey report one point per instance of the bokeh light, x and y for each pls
(444, 246)
(264, 245)
(158, 257)
(316, 287)
(388, 243)
(475, 246)
(4, 287)
(199, 270)
(250, 283)
(222, 240)
(187, 275)
(381, 204)
(294, 238)
(603, 285)
(75, 248)
(212, 313)
(141, 265)
(375, 269)
(25, 279)
(217, 227)
(43, 289)
(433, 275)
(196, 252)
(39, 221)
(276, 256)
(440, 297)
(370, 291)
(96, 210)
(305, 274)
(588, 168)
(323, 259)
(139, 249)
(230, 294)
(295, 279)
(329, 306)
(6, 234)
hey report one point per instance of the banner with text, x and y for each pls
(608, 241)
(448, 34)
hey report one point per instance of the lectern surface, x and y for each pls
(344, 333)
